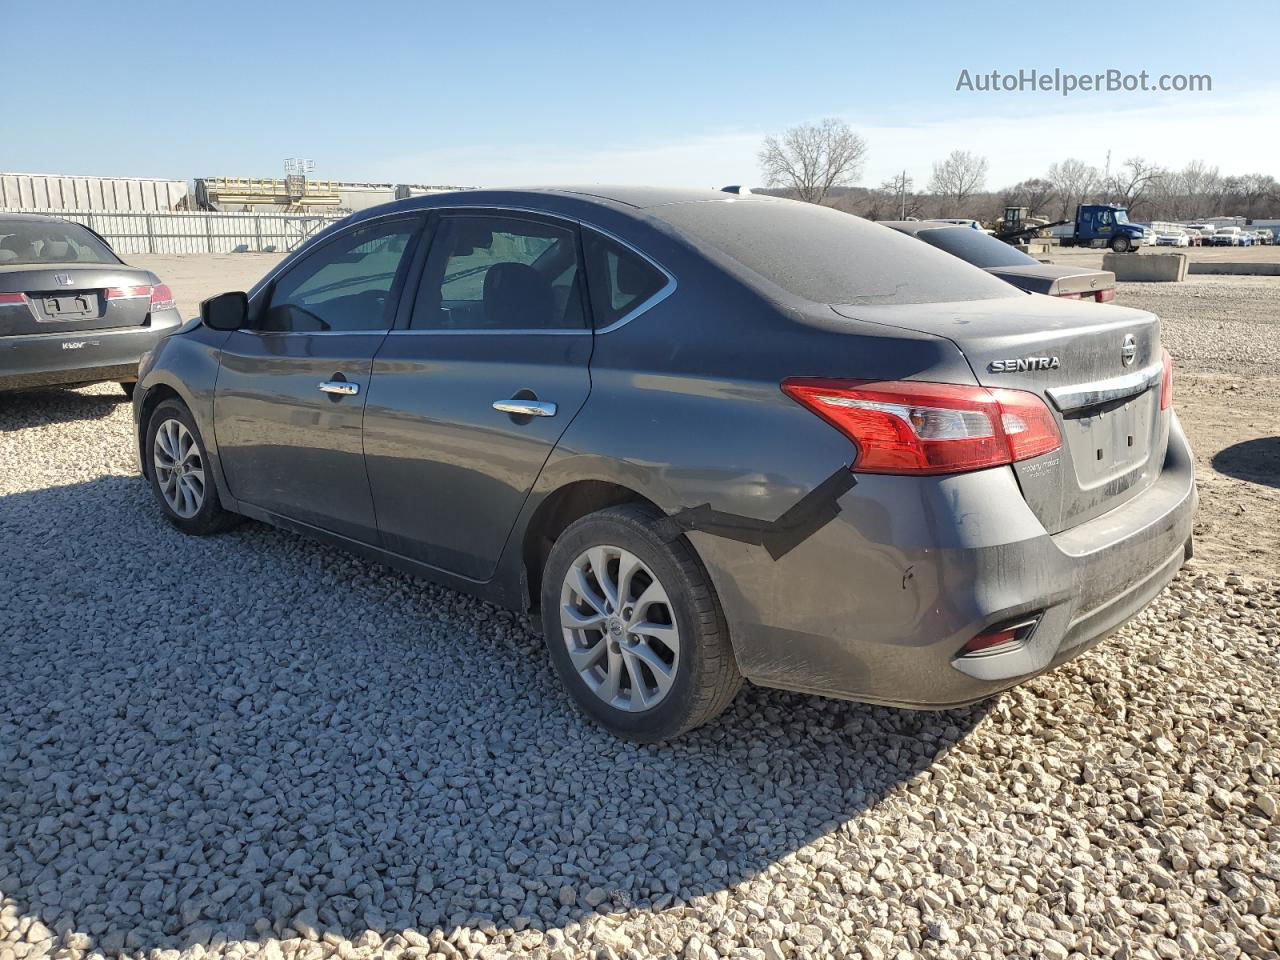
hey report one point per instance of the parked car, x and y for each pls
(707, 437)
(71, 311)
(1170, 238)
(1227, 237)
(1010, 264)
(1199, 234)
(1262, 237)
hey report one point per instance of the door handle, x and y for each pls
(342, 388)
(525, 408)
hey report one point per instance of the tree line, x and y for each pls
(822, 162)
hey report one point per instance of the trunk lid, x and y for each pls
(1097, 368)
(1055, 280)
(71, 298)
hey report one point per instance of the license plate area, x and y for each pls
(69, 305)
(1111, 440)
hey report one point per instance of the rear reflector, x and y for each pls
(1005, 638)
(1166, 380)
(905, 427)
(1107, 295)
(12, 298)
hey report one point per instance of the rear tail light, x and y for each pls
(1000, 639)
(128, 293)
(1107, 295)
(7, 298)
(904, 427)
(1166, 380)
(160, 295)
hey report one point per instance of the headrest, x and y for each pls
(516, 296)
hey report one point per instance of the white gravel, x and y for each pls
(255, 745)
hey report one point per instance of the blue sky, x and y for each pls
(667, 92)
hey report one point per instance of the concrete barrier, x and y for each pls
(1236, 269)
(1146, 267)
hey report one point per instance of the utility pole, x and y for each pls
(902, 195)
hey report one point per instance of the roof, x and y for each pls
(34, 217)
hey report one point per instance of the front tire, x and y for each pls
(634, 627)
(1121, 244)
(180, 473)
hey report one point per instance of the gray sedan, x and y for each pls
(1009, 264)
(706, 437)
(71, 312)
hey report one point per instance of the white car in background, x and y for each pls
(1172, 238)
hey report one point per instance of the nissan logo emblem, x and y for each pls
(1129, 349)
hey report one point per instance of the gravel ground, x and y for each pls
(257, 745)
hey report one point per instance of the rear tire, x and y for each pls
(180, 474)
(648, 657)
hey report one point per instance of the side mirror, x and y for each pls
(226, 311)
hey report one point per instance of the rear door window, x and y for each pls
(620, 280)
(490, 272)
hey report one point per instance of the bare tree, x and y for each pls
(812, 158)
(958, 178)
(1131, 185)
(1251, 191)
(1035, 193)
(1199, 190)
(1075, 182)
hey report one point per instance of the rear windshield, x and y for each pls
(974, 246)
(50, 241)
(827, 256)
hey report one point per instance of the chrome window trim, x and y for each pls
(1067, 399)
(667, 290)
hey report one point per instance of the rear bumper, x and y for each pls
(28, 362)
(877, 604)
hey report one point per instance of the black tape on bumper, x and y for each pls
(779, 537)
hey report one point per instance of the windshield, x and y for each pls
(976, 247)
(1121, 216)
(50, 241)
(826, 256)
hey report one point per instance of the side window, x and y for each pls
(500, 273)
(619, 278)
(344, 284)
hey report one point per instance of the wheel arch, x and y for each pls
(557, 510)
(154, 396)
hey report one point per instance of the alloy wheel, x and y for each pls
(179, 468)
(619, 628)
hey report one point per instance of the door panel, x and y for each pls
(449, 473)
(290, 398)
(286, 446)
(499, 314)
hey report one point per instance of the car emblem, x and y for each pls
(65, 279)
(1129, 349)
(1024, 363)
